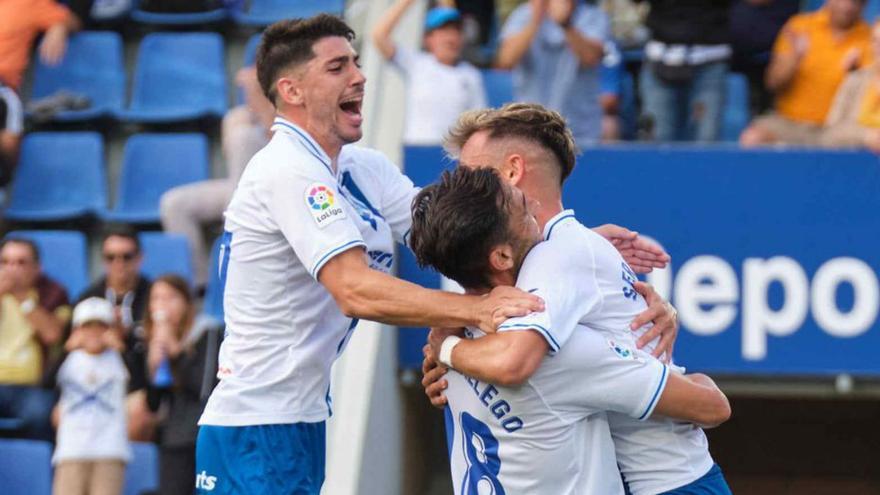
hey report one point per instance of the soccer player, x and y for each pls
(522, 422)
(309, 241)
(531, 147)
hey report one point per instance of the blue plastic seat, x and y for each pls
(60, 177)
(153, 164)
(179, 77)
(93, 66)
(142, 473)
(250, 50)
(63, 256)
(265, 12)
(736, 107)
(26, 467)
(178, 18)
(166, 253)
(213, 306)
(499, 86)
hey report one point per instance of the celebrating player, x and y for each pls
(532, 148)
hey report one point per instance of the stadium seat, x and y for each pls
(736, 107)
(178, 18)
(166, 253)
(63, 256)
(60, 176)
(250, 50)
(499, 86)
(179, 77)
(213, 306)
(265, 12)
(93, 67)
(142, 473)
(26, 467)
(153, 164)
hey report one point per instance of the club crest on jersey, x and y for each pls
(622, 351)
(323, 205)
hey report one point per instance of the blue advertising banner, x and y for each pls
(775, 254)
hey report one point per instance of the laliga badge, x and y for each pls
(323, 205)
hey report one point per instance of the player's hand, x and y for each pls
(641, 254)
(503, 303)
(436, 337)
(432, 379)
(665, 320)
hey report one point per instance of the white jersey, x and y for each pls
(584, 280)
(289, 215)
(550, 436)
(93, 418)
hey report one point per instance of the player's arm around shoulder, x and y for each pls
(694, 398)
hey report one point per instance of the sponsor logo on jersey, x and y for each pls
(323, 205)
(622, 351)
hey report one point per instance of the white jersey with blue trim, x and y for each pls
(584, 281)
(550, 436)
(290, 214)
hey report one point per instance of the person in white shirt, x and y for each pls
(92, 447)
(481, 232)
(439, 85)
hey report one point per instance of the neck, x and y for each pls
(502, 278)
(329, 144)
(121, 286)
(549, 197)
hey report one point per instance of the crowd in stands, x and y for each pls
(132, 359)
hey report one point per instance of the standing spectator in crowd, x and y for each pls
(683, 78)
(187, 209)
(754, 25)
(127, 290)
(812, 55)
(21, 21)
(611, 84)
(439, 85)
(183, 364)
(33, 313)
(92, 445)
(554, 48)
(627, 22)
(854, 119)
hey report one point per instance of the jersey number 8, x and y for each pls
(481, 451)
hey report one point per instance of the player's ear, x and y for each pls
(289, 91)
(514, 168)
(501, 258)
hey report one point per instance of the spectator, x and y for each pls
(33, 312)
(754, 25)
(92, 446)
(812, 55)
(439, 86)
(627, 22)
(20, 23)
(683, 78)
(854, 119)
(183, 364)
(187, 209)
(611, 77)
(555, 48)
(127, 289)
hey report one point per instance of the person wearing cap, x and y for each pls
(92, 447)
(439, 85)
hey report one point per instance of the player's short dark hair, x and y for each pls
(121, 230)
(16, 239)
(457, 221)
(288, 43)
(530, 122)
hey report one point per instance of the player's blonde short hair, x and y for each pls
(526, 121)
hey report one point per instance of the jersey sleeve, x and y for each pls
(308, 210)
(567, 286)
(398, 192)
(605, 375)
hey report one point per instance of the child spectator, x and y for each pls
(92, 443)
(182, 359)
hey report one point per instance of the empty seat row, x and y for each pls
(248, 13)
(64, 256)
(61, 175)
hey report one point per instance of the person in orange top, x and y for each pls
(811, 57)
(854, 119)
(21, 21)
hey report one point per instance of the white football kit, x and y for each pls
(550, 436)
(584, 281)
(289, 215)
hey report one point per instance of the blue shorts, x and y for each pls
(261, 460)
(711, 483)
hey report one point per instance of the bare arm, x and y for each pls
(513, 48)
(54, 44)
(784, 66)
(588, 51)
(48, 327)
(506, 358)
(383, 29)
(693, 398)
(362, 292)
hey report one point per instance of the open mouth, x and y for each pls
(352, 107)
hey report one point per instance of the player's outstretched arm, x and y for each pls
(505, 358)
(362, 292)
(693, 398)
